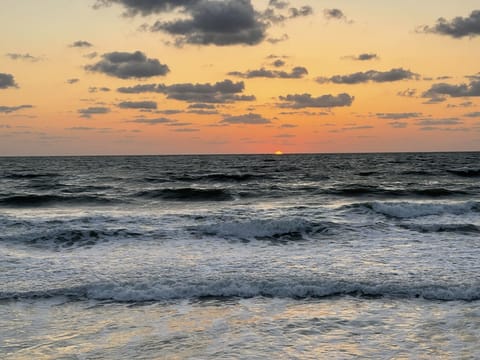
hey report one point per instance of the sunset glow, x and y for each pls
(119, 77)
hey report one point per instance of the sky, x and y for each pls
(128, 77)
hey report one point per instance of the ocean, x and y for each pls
(338, 256)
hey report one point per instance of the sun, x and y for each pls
(278, 152)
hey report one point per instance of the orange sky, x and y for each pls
(238, 76)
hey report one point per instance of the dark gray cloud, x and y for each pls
(300, 101)
(7, 81)
(333, 14)
(475, 114)
(81, 44)
(203, 112)
(439, 122)
(94, 89)
(398, 116)
(371, 75)
(441, 90)
(212, 22)
(126, 65)
(278, 63)
(252, 119)
(25, 57)
(274, 41)
(72, 81)
(156, 121)
(148, 105)
(10, 109)
(146, 7)
(363, 57)
(407, 93)
(458, 27)
(227, 22)
(336, 14)
(296, 73)
(221, 92)
(201, 106)
(89, 112)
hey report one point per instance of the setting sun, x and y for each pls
(278, 152)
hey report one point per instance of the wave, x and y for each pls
(271, 229)
(219, 177)
(438, 228)
(465, 172)
(45, 200)
(404, 209)
(187, 194)
(22, 176)
(367, 190)
(72, 238)
(241, 288)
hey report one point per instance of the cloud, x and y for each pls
(398, 124)
(72, 81)
(278, 4)
(7, 81)
(146, 7)
(94, 89)
(439, 122)
(363, 57)
(473, 114)
(371, 75)
(407, 93)
(91, 55)
(296, 73)
(300, 101)
(457, 28)
(25, 57)
(81, 44)
(274, 41)
(201, 106)
(88, 112)
(398, 116)
(278, 63)
(156, 121)
(126, 65)
(251, 119)
(335, 14)
(220, 23)
(288, 126)
(149, 105)
(221, 92)
(212, 22)
(10, 109)
(439, 91)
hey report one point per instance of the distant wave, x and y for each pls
(187, 194)
(44, 200)
(403, 209)
(240, 288)
(367, 190)
(465, 172)
(21, 176)
(219, 177)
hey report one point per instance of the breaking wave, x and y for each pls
(140, 292)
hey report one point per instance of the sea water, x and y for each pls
(223, 257)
